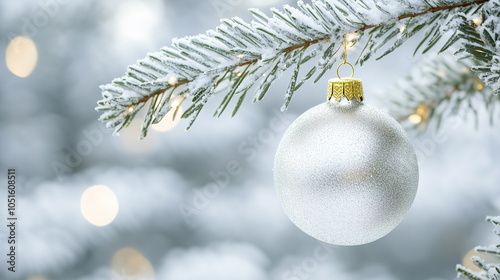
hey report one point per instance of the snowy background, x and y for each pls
(239, 231)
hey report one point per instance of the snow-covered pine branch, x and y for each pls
(440, 88)
(489, 271)
(241, 57)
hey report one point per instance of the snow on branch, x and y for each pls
(238, 58)
(489, 271)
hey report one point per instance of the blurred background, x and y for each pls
(162, 215)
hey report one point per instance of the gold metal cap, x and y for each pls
(347, 87)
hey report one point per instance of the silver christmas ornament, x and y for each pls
(345, 172)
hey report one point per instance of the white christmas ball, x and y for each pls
(346, 173)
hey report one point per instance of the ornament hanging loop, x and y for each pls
(345, 63)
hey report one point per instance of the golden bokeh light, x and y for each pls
(172, 118)
(130, 263)
(21, 56)
(131, 142)
(423, 111)
(480, 86)
(467, 261)
(99, 205)
(415, 118)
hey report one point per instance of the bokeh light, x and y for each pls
(415, 118)
(467, 261)
(136, 19)
(99, 205)
(465, 70)
(423, 111)
(171, 119)
(129, 263)
(131, 142)
(21, 56)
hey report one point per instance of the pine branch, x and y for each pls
(482, 41)
(489, 271)
(469, 274)
(441, 88)
(238, 56)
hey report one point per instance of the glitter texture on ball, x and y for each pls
(346, 173)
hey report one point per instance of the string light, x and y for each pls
(441, 73)
(402, 29)
(478, 83)
(99, 205)
(477, 20)
(423, 111)
(241, 57)
(21, 56)
(173, 81)
(239, 74)
(351, 39)
(415, 118)
(177, 102)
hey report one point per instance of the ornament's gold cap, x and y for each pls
(347, 87)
